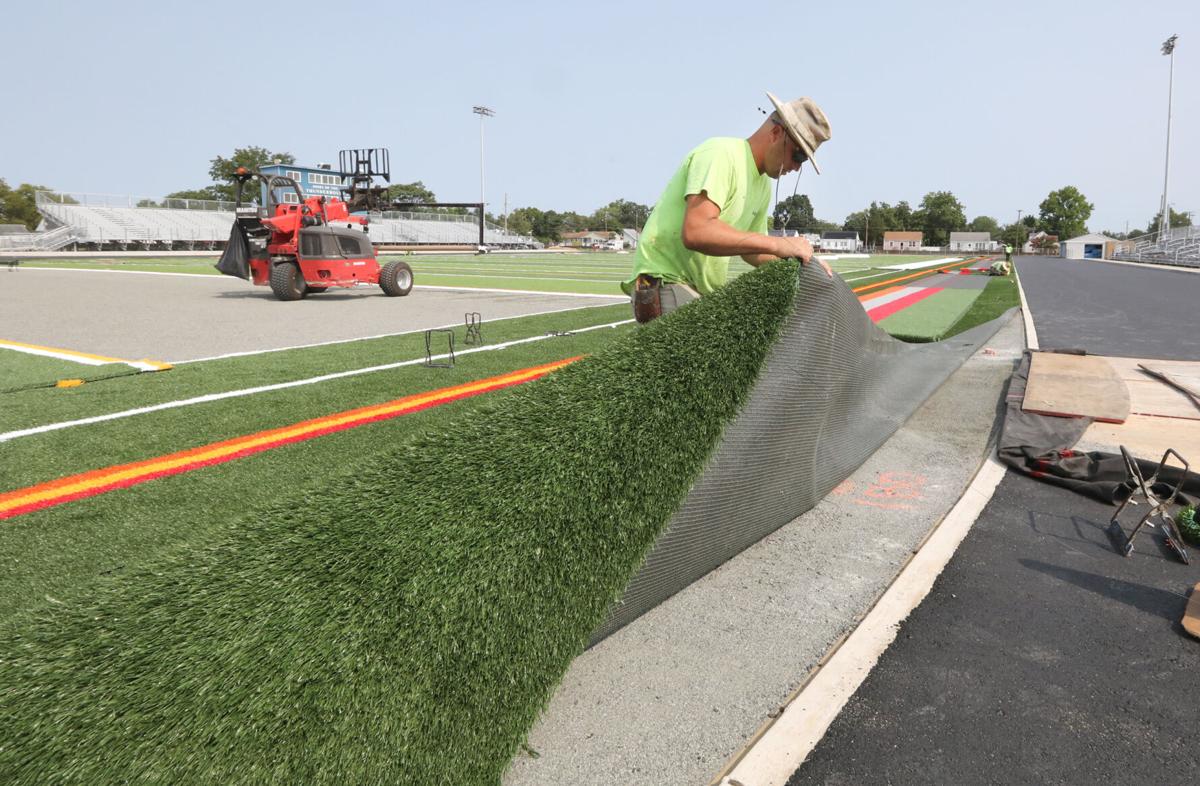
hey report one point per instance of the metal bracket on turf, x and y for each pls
(429, 348)
(473, 322)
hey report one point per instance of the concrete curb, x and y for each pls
(1031, 339)
(778, 750)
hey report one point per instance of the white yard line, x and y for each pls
(922, 263)
(873, 275)
(530, 278)
(85, 358)
(251, 352)
(11, 435)
(213, 276)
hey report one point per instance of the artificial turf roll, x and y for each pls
(405, 622)
(832, 390)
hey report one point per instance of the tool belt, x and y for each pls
(647, 298)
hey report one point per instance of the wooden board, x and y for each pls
(1146, 436)
(1191, 615)
(1075, 386)
(1150, 396)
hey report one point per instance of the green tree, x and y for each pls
(1178, 219)
(905, 220)
(410, 192)
(1013, 234)
(619, 214)
(985, 224)
(548, 227)
(871, 223)
(222, 169)
(795, 212)
(940, 214)
(1065, 213)
(19, 205)
(211, 193)
(522, 220)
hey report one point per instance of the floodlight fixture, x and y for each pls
(1168, 46)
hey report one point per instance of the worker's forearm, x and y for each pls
(754, 260)
(716, 238)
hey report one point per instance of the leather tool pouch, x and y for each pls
(647, 300)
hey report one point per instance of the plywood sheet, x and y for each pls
(1074, 386)
(1146, 436)
(1150, 396)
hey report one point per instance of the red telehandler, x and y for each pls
(304, 247)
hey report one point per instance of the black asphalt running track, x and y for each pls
(175, 318)
(1112, 309)
(1040, 655)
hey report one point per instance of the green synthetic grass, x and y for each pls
(405, 620)
(57, 552)
(186, 380)
(930, 319)
(998, 296)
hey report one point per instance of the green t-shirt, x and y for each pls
(724, 169)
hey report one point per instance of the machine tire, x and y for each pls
(286, 282)
(396, 279)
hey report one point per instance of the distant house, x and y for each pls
(1039, 241)
(840, 241)
(901, 241)
(972, 241)
(630, 237)
(592, 239)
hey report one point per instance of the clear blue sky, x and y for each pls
(999, 103)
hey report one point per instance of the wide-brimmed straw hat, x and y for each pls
(806, 124)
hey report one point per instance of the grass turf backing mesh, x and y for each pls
(405, 622)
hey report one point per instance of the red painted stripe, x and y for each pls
(887, 309)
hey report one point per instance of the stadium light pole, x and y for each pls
(1164, 218)
(483, 112)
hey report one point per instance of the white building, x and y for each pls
(972, 241)
(840, 241)
(1084, 247)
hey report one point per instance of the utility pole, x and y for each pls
(1164, 219)
(483, 112)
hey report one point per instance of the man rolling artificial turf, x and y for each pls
(715, 207)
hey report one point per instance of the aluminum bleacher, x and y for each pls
(1177, 246)
(119, 222)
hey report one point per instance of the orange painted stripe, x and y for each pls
(89, 484)
(918, 274)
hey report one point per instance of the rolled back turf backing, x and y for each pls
(833, 389)
(406, 621)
